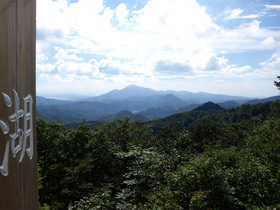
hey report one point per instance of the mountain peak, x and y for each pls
(132, 86)
(135, 87)
(208, 106)
(134, 90)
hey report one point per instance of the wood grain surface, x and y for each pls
(19, 188)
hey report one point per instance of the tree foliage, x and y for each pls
(277, 84)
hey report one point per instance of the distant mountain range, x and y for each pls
(136, 93)
(257, 101)
(137, 102)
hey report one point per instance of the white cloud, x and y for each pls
(45, 68)
(215, 63)
(215, 66)
(239, 70)
(270, 43)
(109, 67)
(64, 54)
(41, 55)
(53, 78)
(51, 23)
(170, 67)
(249, 36)
(269, 7)
(272, 66)
(178, 18)
(83, 68)
(92, 20)
(86, 18)
(236, 14)
(68, 67)
(122, 13)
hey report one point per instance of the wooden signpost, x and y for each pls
(18, 164)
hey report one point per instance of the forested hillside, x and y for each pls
(222, 117)
(215, 159)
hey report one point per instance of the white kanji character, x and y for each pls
(19, 138)
(5, 129)
(18, 134)
(27, 132)
(4, 167)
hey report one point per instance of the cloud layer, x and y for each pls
(92, 42)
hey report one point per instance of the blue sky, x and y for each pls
(93, 46)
